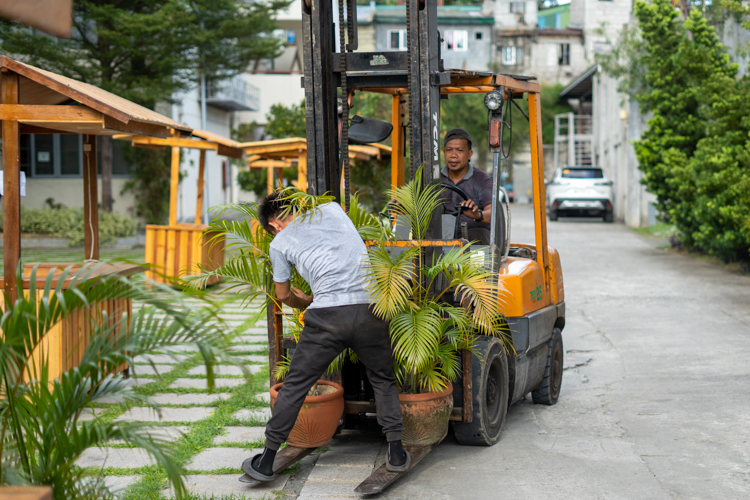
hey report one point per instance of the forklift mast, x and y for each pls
(327, 70)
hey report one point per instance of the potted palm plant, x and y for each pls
(42, 432)
(436, 306)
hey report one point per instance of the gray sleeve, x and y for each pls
(282, 269)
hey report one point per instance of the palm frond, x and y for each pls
(415, 336)
(387, 280)
(416, 203)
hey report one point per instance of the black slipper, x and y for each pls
(398, 468)
(247, 468)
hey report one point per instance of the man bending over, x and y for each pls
(325, 248)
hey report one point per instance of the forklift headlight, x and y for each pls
(493, 100)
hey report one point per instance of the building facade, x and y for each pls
(466, 33)
(536, 43)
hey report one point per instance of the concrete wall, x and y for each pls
(188, 111)
(477, 57)
(545, 53)
(592, 15)
(283, 89)
(505, 19)
(735, 37)
(69, 191)
(617, 123)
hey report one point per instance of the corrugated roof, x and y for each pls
(581, 86)
(42, 87)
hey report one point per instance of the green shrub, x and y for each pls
(68, 223)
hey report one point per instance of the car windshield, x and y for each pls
(582, 173)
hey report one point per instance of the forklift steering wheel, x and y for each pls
(458, 190)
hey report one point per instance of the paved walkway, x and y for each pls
(211, 433)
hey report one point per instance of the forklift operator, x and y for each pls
(474, 182)
(326, 249)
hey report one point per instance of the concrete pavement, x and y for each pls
(654, 402)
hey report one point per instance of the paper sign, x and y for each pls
(23, 183)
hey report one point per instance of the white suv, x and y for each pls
(577, 191)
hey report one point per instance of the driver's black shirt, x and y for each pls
(476, 184)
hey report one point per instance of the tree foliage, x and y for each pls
(695, 152)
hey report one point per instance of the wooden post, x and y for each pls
(11, 188)
(269, 179)
(199, 201)
(90, 199)
(174, 186)
(397, 141)
(302, 171)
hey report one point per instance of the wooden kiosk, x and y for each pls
(182, 248)
(35, 101)
(281, 153)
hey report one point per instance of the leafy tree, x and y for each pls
(145, 51)
(679, 60)
(695, 154)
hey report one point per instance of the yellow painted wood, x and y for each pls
(182, 250)
(174, 186)
(150, 249)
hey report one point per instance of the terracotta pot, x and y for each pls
(426, 416)
(318, 418)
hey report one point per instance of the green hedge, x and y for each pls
(68, 223)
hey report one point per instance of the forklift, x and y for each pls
(534, 307)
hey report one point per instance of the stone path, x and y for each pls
(186, 406)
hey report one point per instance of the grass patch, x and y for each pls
(200, 436)
(658, 230)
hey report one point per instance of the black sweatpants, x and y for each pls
(327, 332)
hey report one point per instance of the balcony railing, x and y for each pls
(233, 94)
(574, 140)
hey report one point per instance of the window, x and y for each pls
(61, 155)
(582, 173)
(43, 157)
(397, 39)
(508, 56)
(564, 57)
(517, 7)
(456, 40)
(119, 165)
(70, 154)
(478, 35)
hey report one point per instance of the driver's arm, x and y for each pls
(473, 212)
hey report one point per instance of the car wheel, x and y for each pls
(609, 217)
(489, 379)
(553, 215)
(548, 389)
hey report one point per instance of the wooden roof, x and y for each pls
(292, 147)
(199, 140)
(52, 103)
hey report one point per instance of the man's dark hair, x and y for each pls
(270, 207)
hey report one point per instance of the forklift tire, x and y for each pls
(549, 388)
(489, 369)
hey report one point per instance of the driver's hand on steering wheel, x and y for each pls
(473, 209)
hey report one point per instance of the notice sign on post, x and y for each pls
(23, 183)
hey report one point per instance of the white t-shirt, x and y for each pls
(327, 251)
